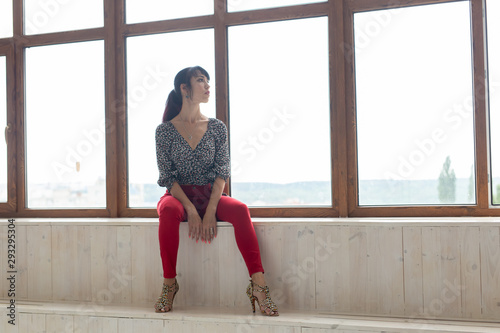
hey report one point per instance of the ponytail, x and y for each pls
(173, 106)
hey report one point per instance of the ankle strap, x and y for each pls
(260, 288)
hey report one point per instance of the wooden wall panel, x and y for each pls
(413, 271)
(441, 264)
(398, 270)
(39, 251)
(71, 263)
(490, 271)
(146, 274)
(31, 322)
(385, 271)
(470, 240)
(333, 286)
(111, 264)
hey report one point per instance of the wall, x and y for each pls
(431, 268)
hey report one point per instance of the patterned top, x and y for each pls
(178, 162)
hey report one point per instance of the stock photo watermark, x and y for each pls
(380, 20)
(11, 271)
(250, 148)
(49, 9)
(450, 293)
(455, 117)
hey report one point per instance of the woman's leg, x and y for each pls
(237, 213)
(171, 213)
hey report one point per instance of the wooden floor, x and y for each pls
(81, 318)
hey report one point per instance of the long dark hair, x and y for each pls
(174, 100)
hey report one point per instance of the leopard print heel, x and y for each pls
(163, 300)
(264, 305)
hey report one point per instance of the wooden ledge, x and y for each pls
(368, 221)
(240, 319)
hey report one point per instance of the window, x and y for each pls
(3, 124)
(152, 63)
(65, 126)
(414, 106)
(493, 33)
(333, 108)
(6, 28)
(163, 10)
(62, 15)
(241, 5)
(279, 106)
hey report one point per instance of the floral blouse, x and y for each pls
(178, 162)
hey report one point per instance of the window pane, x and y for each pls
(6, 28)
(65, 126)
(493, 28)
(414, 105)
(279, 113)
(151, 68)
(157, 10)
(241, 5)
(62, 15)
(3, 124)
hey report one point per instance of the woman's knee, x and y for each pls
(230, 209)
(169, 207)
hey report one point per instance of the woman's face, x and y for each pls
(200, 89)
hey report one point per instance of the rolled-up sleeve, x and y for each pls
(167, 171)
(222, 164)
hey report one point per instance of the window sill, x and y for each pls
(356, 221)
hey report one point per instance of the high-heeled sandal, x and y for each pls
(163, 300)
(264, 305)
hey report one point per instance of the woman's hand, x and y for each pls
(209, 227)
(195, 225)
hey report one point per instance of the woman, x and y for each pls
(193, 162)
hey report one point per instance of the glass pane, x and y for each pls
(3, 124)
(157, 10)
(241, 5)
(414, 105)
(151, 68)
(493, 28)
(279, 105)
(6, 28)
(65, 126)
(62, 15)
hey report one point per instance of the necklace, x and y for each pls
(190, 136)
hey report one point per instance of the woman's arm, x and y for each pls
(194, 219)
(210, 218)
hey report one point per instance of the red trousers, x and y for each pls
(172, 213)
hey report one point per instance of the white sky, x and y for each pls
(279, 101)
(493, 7)
(42, 16)
(414, 92)
(64, 113)
(5, 19)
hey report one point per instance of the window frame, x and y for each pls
(220, 21)
(482, 206)
(10, 206)
(340, 15)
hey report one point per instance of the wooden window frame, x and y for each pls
(9, 207)
(482, 206)
(340, 15)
